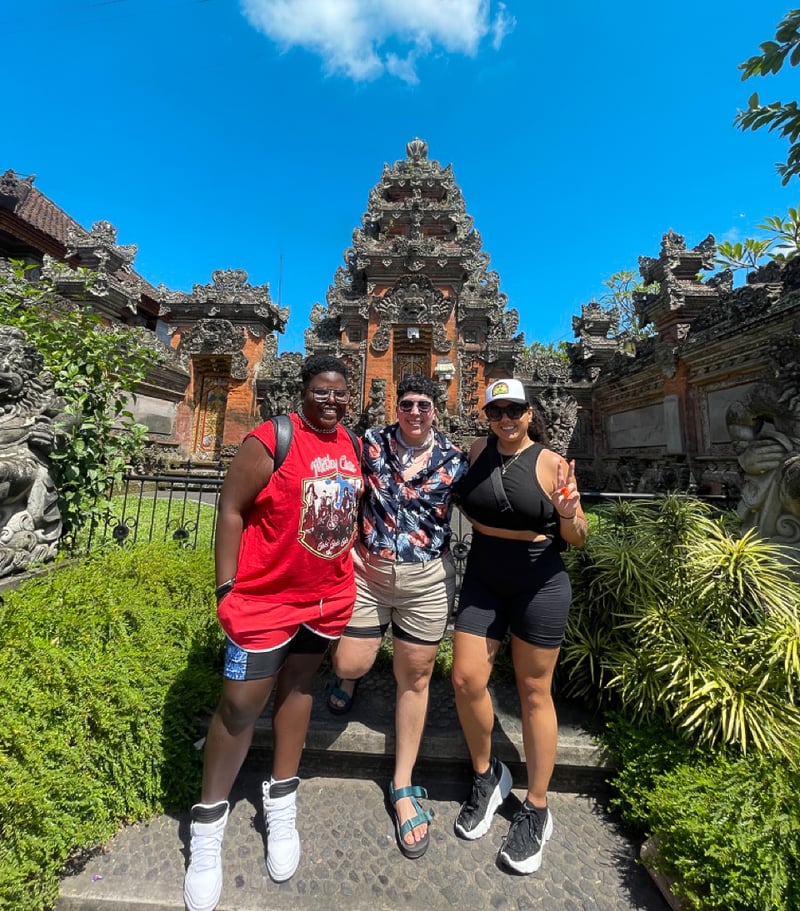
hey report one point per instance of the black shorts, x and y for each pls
(244, 665)
(518, 585)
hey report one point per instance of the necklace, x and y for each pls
(412, 452)
(314, 427)
(506, 461)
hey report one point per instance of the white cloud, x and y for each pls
(351, 35)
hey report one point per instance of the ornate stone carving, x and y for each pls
(217, 336)
(280, 385)
(14, 190)
(374, 415)
(413, 299)
(30, 523)
(765, 428)
(229, 296)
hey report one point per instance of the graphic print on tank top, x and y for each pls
(328, 512)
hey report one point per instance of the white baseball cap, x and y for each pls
(505, 391)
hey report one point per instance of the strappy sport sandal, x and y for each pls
(421, 817)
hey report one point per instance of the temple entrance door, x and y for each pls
(211, 399)
(412, 351)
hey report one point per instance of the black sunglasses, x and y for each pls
(407, 405)
(514, 411)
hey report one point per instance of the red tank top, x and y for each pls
(295, 547)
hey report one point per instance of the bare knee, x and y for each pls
(466, 683)
(354, 657)
(237, 716)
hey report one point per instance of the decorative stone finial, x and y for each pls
(417, 150)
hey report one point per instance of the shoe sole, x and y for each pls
(499, 794)
(530, 864)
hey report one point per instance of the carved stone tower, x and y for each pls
(415, 296)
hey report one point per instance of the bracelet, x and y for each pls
(568, 518)
(225, 588)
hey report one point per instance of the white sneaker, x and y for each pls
(202, 884)
(283, 842)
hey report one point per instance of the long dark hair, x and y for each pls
(537, 429)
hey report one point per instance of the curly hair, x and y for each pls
(416, 382)
(320, 363)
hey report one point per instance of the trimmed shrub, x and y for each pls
(105, 666)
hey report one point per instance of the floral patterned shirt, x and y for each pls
(407, 520)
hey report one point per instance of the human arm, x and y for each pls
(567, 501)
(248, 473)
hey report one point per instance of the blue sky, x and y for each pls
(220, 135)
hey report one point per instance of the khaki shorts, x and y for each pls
(416, 598)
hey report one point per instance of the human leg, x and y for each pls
(355, 652)
(537, 632)
(353, 656)
(228, 740)
(413, 666)
(290, 717)
(423, 597)
(532, 824)
(473, 659)
(533, 669)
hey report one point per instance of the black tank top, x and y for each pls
(532, 509)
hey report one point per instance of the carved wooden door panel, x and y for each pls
(209, 418)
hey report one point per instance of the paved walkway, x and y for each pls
(350, 859)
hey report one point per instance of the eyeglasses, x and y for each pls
(407, 406)
(320, 394)
(513, 411)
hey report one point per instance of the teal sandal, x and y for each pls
(421, 817)
(334, 689)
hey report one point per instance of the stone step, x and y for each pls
(362, 743)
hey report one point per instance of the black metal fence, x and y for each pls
(179, 506)
(182, 506)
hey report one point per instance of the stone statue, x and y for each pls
(30, 523)
(765, 429)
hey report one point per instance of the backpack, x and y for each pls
(284, 430)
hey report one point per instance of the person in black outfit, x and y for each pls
(523, 502)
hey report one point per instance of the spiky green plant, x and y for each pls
(678, 617)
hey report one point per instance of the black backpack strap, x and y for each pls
(496, 476)
(356, 441)
(284, 430)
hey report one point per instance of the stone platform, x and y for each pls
(350, 860)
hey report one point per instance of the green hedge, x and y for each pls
(727, 826)
(105, 666)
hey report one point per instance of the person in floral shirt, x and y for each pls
(405, 577)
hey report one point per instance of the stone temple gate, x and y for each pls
(415, 295)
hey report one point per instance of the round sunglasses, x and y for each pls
(407, 406)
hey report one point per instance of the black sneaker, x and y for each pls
(529, 832)
(475, 815)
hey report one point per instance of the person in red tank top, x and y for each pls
(285, 590)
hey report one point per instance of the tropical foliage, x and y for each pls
(781, 242)
(95, 370)
(676, 617)
(620, 300)
(784, 118)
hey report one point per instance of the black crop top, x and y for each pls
(532, 509)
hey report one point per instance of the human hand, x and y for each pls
(565, 498)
